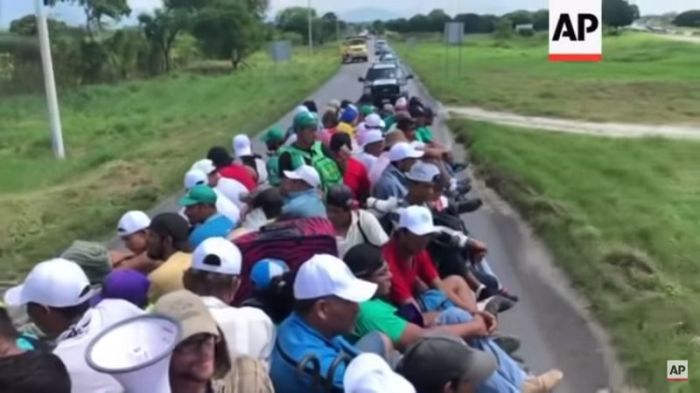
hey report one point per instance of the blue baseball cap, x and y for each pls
(265, 270)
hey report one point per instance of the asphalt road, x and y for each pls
(549, 319)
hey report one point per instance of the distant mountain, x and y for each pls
(369, 14)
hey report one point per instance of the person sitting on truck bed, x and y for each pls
(306, 150)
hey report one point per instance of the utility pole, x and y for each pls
(49, 80)
(337, 28)
(311, 28)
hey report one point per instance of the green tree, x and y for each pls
(420, 23)
(227, 29)
(161, 29)
(504, 28)
(295, 19)
(520, 17)
(26, 25)
(97, 10)
(618, 13)
(400, 25)
(540, 20)
(378, 27)
(438, 18)
(688, 19)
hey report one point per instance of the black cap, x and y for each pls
(171, 224)
(364, 259)
(437, 360)
(338, 140)
(219, 156)
(405, 123)
(340, 196)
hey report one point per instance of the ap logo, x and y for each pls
(677, 370)
(575, 30)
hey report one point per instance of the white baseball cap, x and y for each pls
(403, 150)
(306, 173)
(326, 275)
(195, 177)
(53, 283)
(370, 136)
(132, 222)
(369, 373)
(373, 121)
(241, 146)
(417, 219)
(205, 165)
(217, 255)
(423, 172)
(401, 103)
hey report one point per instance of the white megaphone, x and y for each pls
(136, 352)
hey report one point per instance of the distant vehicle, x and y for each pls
(385, 83)
(354, 49)
(389, 57)
(380, 47)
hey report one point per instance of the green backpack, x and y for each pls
(327, 168)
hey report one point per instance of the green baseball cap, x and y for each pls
(274, 133)
(201, 194)
(305, 120)
(366, 110)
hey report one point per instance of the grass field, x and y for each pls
(128, 145)
(641, 79)
(621, 217)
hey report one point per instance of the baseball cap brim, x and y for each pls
(418, 180)
(358, 292)
(415, 154)
(187, 201)
(482, 368)
(13, 297)
(244, 151)
(292, 175)
(422, 230)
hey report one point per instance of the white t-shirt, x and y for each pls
(370, 226)
(378, 168)
(367, 160)
(73, 343)
(225, 207)
(233, 190)
(248, 330)
(261, 168)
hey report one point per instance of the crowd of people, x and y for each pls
(336, 262)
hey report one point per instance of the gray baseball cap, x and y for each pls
(423, 172)
(434, 361)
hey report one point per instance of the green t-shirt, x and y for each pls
(378, 315)
(424, 134)
(388, 122)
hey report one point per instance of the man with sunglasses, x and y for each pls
(200, 362)
(57, 295)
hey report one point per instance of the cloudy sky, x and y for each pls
(12, 9)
